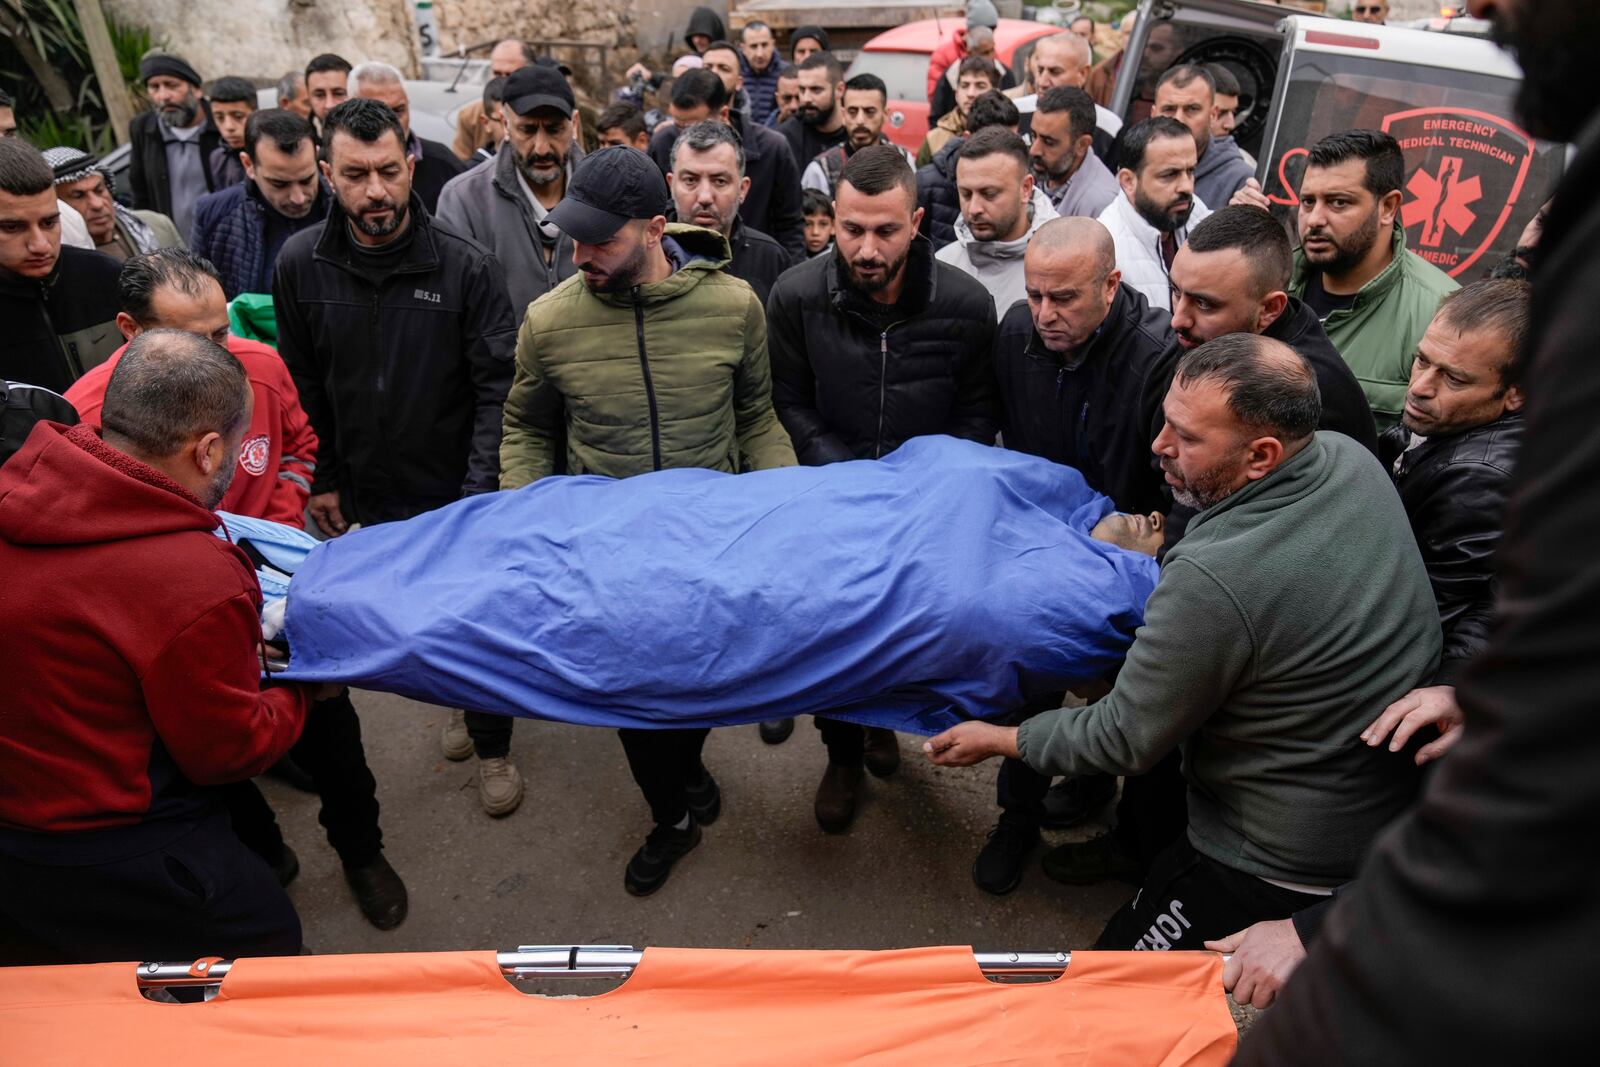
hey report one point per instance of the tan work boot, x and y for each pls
(454, 739)
(499, 786)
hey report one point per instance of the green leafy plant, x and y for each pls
(45, 65)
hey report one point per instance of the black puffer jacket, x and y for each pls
(405, 381)
(937, 196)
(1454, 488)
(846, 389)
(757, 260)
(1099, 414)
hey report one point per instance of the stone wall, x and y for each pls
(262, 39)
(612, 24)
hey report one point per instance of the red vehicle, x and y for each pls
(900, 57)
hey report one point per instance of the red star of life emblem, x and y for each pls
(1443, 201)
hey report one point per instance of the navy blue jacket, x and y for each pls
(230, 230)
(936, 193)
(762, 88)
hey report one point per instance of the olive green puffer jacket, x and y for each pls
(671, 374)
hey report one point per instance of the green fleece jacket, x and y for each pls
(671, 374)
(1378, 334)
(1286, 619)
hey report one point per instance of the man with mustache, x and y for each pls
(1063, 156)
(772, 202)
(818, 122)
(1150, 220)
(653, 358)
(1232, 277)
(865, 101)
(398, 331)
(169, 166)
(708, 184)
(504, 203)
(872, 346)
(433, 164)
(1476, 906)
(1375, 296)
(1294, 609)
(85, 184)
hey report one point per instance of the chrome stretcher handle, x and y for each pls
(587, 961)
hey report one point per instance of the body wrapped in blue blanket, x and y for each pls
(949, 580)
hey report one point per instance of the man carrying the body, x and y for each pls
(651, 358)
(1294, 610)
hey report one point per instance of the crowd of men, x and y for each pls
(1317, 438)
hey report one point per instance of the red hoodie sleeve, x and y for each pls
(204, 696)
(298, 462)
(943, 58)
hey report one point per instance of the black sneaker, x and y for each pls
(705, 800)
(380, 892)
(998, 868)
(1073, 800)
(777, 731)
(648, 869)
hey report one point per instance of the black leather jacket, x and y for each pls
(1454, 489)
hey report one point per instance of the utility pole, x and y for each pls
(113, 90)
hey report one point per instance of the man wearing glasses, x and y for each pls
(1373, 11)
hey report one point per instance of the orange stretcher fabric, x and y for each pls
(911, 1008)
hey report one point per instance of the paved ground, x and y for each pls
(765, 876)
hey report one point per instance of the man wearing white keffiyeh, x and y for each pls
(117, 230)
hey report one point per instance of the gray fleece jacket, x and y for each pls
(1286, 619)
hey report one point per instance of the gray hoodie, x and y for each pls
(997, 264)
(1286, 619)
(1221, 172)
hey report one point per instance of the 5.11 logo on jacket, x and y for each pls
(1465, 172)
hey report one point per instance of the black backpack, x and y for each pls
(22, 407)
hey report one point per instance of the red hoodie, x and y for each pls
(279, 453)
(128, 635)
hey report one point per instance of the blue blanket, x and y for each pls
(946, 581)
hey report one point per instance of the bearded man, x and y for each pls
(398, 332)
(504, 203)
(168, 168)
(653, 358)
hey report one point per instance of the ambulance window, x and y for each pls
(1473, 177)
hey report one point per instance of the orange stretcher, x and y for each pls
(706, 1007)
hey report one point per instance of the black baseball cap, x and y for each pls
(608, 189)
(538, 86)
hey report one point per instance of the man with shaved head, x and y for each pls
(1082, 366)
(1295, 608)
